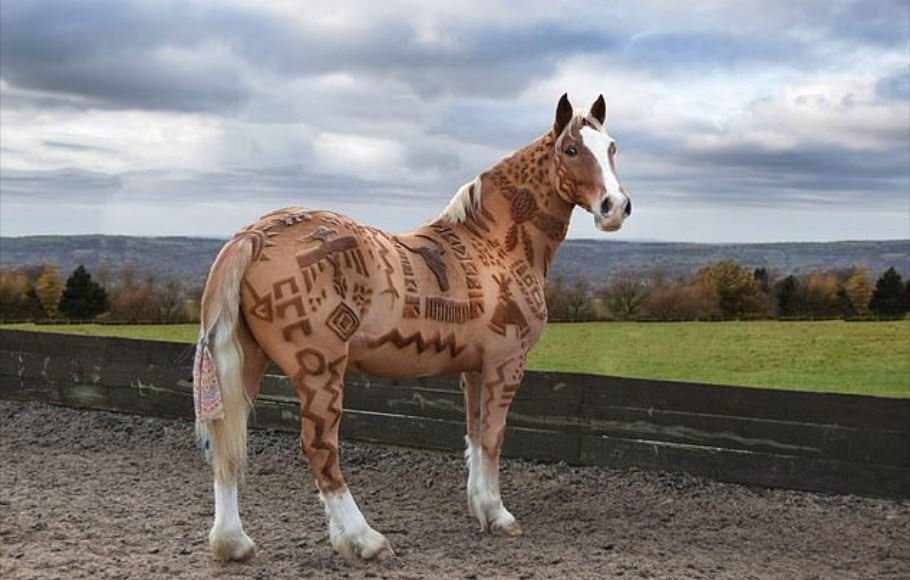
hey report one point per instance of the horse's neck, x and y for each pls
(520, 209)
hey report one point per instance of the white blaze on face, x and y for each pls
(598, 143)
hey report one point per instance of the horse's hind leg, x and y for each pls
(488, 395)
(227, 538)
(318, 376)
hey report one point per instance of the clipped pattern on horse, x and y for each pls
(318, 294)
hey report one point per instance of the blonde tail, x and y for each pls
(224, 439)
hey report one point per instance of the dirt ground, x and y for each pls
(87, 494)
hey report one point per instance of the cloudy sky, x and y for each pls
(736, 121)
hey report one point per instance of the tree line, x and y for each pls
(127, 295)
(725, 290)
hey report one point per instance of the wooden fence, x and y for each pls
(822, 442)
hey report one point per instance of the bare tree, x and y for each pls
(624, 295)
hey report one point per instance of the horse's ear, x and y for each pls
(599, 110)
(564, 114)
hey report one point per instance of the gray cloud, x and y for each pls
(270, 86)
(179, 56)
(189, 187)
(71, 185)
(75, 146)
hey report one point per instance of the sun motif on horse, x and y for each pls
(318, 293)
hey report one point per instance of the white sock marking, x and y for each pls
(227, 510)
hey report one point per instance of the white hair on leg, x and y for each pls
(484, 499)
(227, 538)
(465, 199)
(349, 532)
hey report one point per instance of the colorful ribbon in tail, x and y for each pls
(206, 390)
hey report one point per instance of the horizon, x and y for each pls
(574, 239)
(763, 122)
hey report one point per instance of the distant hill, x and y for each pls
(597, 259)
(189, 258)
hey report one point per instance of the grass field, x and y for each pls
(833, 356)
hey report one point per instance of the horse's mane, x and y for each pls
(465, 199)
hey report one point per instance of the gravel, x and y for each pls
(91, 494)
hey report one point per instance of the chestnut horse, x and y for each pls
(318, 294)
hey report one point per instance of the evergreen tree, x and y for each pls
(787, 298)
(886, 299)
(762, 279)
(83, 298)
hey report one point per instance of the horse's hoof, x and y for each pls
(506, 528)
(233, 548)
(374, 546)
(366, 545)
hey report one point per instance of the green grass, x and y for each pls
(833, 356)
(167, 332)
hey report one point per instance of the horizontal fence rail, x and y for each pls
(810, 441)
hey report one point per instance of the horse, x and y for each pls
(318, 294)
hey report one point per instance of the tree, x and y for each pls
(83, 298)
(578, 301)
(169, 298)
(49, 289)
(786, 292)
(736, 288)
(886, 298)
(624, 295)
(14, 288)
(132, 302)
(555, 294)
(819, 295)
(858, 289)
(762, 280)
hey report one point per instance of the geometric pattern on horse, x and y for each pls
(438, 343)
(262, 305)
(508, 393)
(507, 311)
(411, 289)
(445, 310)
(530, 289)
(343, 321)
(322, 456)
(471, 274)
(435, 264)
(387, 268)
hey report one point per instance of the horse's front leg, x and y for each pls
(488, 395)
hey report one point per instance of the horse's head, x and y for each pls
(584, 171)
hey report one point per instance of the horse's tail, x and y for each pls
(222, 428)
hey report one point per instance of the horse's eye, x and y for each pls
(571, 151)
(612, 149)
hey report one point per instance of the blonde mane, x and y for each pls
(465, 199)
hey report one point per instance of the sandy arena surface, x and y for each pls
(88, 494)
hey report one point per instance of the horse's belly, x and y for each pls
(402, 355)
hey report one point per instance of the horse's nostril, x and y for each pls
(605, 206)
(628, 210)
